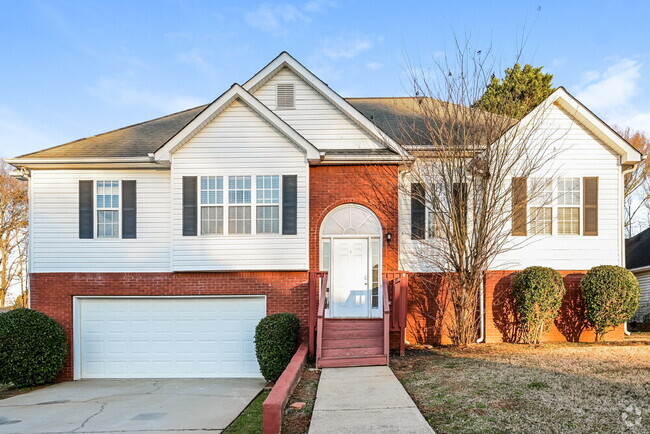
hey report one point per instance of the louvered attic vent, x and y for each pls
(285, 96)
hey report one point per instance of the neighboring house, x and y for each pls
(159, 246)
(637, 252)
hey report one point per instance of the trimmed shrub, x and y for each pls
(538, 293)
(276, 338)
(611, 295)
(33, 348)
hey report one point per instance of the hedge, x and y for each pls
(611, 295)
(276, 338)
(538, 293)
(33, 348)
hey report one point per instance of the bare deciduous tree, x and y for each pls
(13, 232)
(461, 170)
(637, 183)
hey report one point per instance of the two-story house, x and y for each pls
(159, 246)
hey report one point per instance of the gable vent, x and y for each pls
(285, 96)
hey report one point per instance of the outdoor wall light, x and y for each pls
(389, 237)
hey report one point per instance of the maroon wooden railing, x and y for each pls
(396, 288)
(317, 289)
(386, 309)
(395, 297)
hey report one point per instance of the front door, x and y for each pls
(349, 295)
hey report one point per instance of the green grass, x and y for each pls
(250, 420)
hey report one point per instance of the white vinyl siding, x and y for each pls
(580, 154)
(314, 117)
(56, 246)
(240, 144)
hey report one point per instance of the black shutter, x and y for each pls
(289, 204)
(129, 211)
(418, 212)
(86, 209)
(189, 206)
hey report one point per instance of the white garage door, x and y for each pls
(167, 337)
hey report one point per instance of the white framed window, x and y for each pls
(108, 209)
(541, 206)
(211, 195)
(285, 96)
(239, 214)
(268, 214)
(569, 201)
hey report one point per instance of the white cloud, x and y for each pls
(613, 88)
(616, 94)
(277, 18)
(374, 66)
(124, 90)
(345, 47)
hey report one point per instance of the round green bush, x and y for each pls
(538, 293)
(276, 337)
(611, 295)
(33, 348)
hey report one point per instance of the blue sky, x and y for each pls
(72, 69)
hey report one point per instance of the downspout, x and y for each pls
(623, 173)
(481, 336)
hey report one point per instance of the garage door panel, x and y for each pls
(168, 337)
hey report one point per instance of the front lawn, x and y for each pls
(576, 388)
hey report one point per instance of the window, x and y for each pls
(108, 209)
(239, 192)
(211, 198)
(569, 201)
(541, 220)
(268, 215)
(285, 96)
(541, 213)
(239, 220)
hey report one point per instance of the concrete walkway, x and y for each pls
(365, 399)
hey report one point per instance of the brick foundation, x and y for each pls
(52, 293)
(429, 311)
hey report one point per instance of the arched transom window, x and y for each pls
(351, 220)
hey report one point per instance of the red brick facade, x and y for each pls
(52, 293)
(372, 186)
(429, 311)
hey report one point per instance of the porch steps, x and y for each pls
(352, 342)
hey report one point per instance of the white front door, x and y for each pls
(349, 295)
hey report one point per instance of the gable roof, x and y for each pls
(285, 60)
(561, 97)
(236, 92)
(637, 250)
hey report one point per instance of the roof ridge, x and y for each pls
(110, 131)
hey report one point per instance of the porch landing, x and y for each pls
(364, 399)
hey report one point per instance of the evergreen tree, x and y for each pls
(518, 93)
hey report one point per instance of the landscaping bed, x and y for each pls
(519, 388)
(296, 421)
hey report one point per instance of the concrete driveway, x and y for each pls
(170, 405)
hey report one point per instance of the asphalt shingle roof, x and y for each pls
(133, 141)
(400, 118)
(637, 250)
